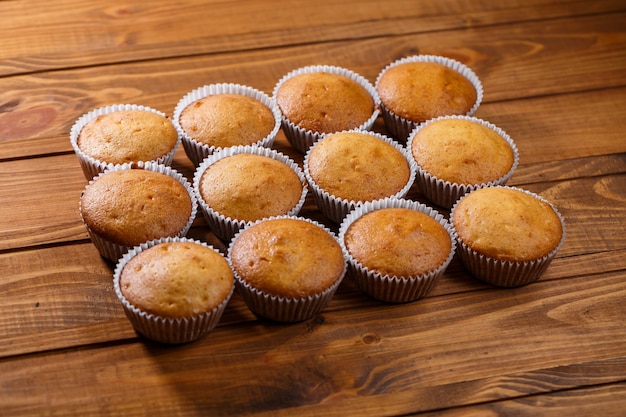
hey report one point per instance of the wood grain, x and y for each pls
(39, 109)
(369, 352)
(86, 34)
(554, 80)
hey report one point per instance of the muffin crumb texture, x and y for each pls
(249, 187)
(224, 120)
(128, 136)
(358, 167)
(507, 224)
(176, 280)
(419, 91)
(462, 152)
(324, 103)
(132, 206)
(287, 257)
(398, 242)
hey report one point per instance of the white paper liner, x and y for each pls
(506, 273)
(445, 193)
(164, 329)
(197, 151)
(114, 251)
(336, 208)
(92, 166)
(284, 309)
(400, 127)
(302, 139)
(225, 227)
(388, 288)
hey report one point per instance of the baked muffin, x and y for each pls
(396, 249)
(120, 134)
(321, 99)
(351, 167)
(418, 88)
(456, 154)
(223, 115)
(124, 207)
(173, 290)
(507, 236)
(239, 185)
(286, 268)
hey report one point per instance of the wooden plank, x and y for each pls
(41, 205)
(568, 169)
(526, 59)
(502, 340)
(553, 72)
(602, 400)
(69, 302)
(605, 401)
(90, 33)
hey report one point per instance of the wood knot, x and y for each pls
(370, 338)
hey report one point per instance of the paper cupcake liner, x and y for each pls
(445, 193)
(336, 208)
(91, 166)
(197, 151)
(302, 139)
(506, 273)
(400, 127)
(164, 329)
(392, 288)
(225, 227)
(284, 309)
(114, 251)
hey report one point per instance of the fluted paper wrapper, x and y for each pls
(506, 273)
(445, 193)
(284, 309)
(400, 127)
(387, 288)
(197, 151)
(165, 329)
(302, 139)
(114, 251)
(336, 208)
(225, 227)
(91, 166)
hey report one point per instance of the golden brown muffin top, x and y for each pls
(419, 91)
(127, 136)
(398, 242)
(132, 206)
(249, 187)
(357, 166)
(224, 120)
(323, 102)
(507, 224)
(176, 280)
(462, 151)
(287, 257)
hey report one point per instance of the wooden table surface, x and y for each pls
(554, 78)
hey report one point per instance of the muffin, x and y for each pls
(507, 236)
(419, 88)
(396, 249)
(173, 290)
(286, 268)
(456, 154)
(223, 115)
(321, 99)
(124, 207)
(123, 133)
(351, 167)
(239, 185)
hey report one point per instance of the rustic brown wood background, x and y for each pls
(554, 74)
